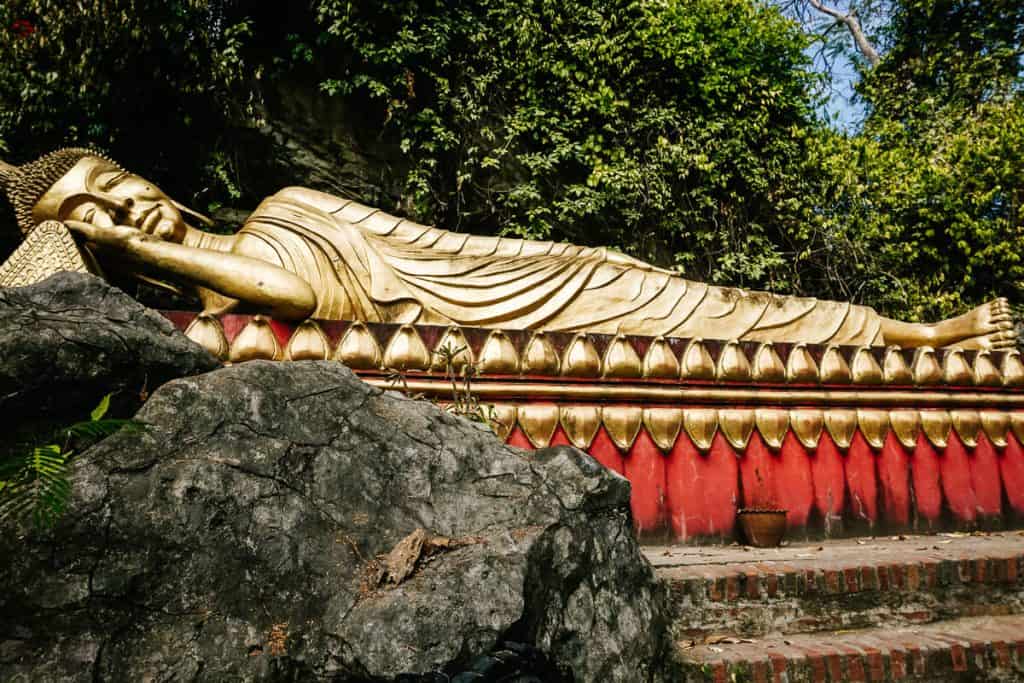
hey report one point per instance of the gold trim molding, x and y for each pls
(681, 395)
(653, 361)
(623, 424)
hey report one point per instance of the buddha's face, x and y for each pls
(96, 191)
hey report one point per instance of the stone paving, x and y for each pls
(970, 649)
(943, 607)
(845, 552)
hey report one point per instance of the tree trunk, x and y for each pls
(852, 23)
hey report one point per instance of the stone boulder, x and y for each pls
(286, 521)
(71, 339)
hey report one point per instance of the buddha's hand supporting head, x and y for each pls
(80, 186)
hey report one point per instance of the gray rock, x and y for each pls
(238, 538)
(71, 339)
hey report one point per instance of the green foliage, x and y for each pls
(153, 81)
(673, 129)
(34, 485)
(947, 56)
(930, 191)
(932, 222)
(680, 131)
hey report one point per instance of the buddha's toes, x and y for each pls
(990, 318)
(995, 341)
(989, 326)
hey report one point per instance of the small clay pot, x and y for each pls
(763, 528)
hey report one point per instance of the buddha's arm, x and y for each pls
(280, 293)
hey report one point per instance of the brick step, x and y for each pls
(841, 584)
(967, 649)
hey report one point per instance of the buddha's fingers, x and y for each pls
(116, 235)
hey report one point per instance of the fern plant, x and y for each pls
(34, 485)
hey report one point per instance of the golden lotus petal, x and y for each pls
(936, 425)
(996, 425)
(540, 357)
(622, 424)
(660, 361)
(697, 362)
(801, 368)
(663, 424)
(498, 355)
(906, 424)
(256, 341)
(967, 424)
(733, 365)
(700, 425)
(772, 423)
(737, 424)
(621, 359)
(986, 373)
(894, 367)
(834, 369)
(956, 370)
(581, 359)
(207, 331)
(502, 418)
(538, 421)
(841, 424)
(874, 425)
(358, 348)
(807, 424)
(406, 350)
(580, 424)
(865, 368)
(925, 368)
(455, 342)
(1017, 425)
(308, 342)
(1012, 369)
(768, 366)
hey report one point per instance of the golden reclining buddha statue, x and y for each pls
(303, 253)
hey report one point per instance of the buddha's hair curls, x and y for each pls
(26, 184)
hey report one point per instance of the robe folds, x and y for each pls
(367, 265)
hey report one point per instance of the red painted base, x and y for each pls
(693, 494)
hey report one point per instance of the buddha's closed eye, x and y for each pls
(92, 213)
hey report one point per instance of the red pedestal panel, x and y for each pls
(925, 474)
(894, 481)
(559, 438)
(758, 474)
(862, 479)
(828, 470)
(283, 331)
(701, 489)
(795, 484)
(1011, 470)
(607, 453)
(518, 439)
(956, 480)
(985, 480)
(645, 469)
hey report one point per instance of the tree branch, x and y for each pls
(852, 23)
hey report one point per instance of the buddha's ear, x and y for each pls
(193, 214)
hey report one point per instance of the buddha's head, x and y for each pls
(83, 185)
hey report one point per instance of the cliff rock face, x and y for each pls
(286, 521)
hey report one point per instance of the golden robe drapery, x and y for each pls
(367, 265)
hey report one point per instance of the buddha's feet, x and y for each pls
(989, 326)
